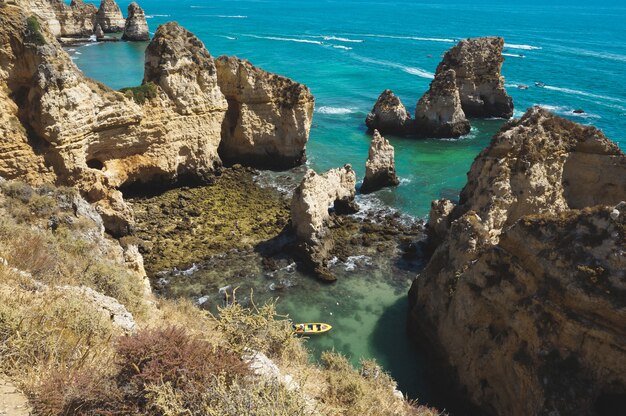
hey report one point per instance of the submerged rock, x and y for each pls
(380, 168)
(389, 115)
(477, 63)
(526, 284)
(309, 212)
(110, 17)
(269, 116)
(136, 27)
(438, 112)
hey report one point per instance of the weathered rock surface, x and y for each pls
(477, 63)
(109, 17)
(136, 27)
(523, 300)
(59, 126)
(77, 19)
(380, 168)
(438, 113)
(98, 32)
(310, 206)
(389, 115)
(269, 116)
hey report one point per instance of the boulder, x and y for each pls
(269, 116)
(522, 302)
(380, 168)
(109, 17)
(389, 115)
(477, 64)
(310, 215)
(438, 113)
(136, 28)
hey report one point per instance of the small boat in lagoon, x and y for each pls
(311, 328)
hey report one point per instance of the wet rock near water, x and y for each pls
(136, 27)
(380, 168)
(389, 115)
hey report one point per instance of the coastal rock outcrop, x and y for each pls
(269, 116)
(109, 17)
(389, 115)
(523, 299)
(380, 168)
(98, 32)
(438, 113)
(75, 19)
(60, 126)
(477, 63)
(310, 205)
(136, 27)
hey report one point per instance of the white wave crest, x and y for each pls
(315, 42)
(345, 48)
(593, 54)
(409, 70)
(225, 16)
(353, 261)
(422, 39)
(583, 93)
(152, 16)
(522, 47)
(227, 37)
(514, 55)
(335, 110)
(338, 39)
(566, 111)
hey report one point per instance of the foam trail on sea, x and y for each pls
(345, 48)
(151, 16)
(593, 54)
(565, 111)
(224, 16)
(338, 39)
(409, 70)
(315, 42)
(583, 93)
(422, 39)
(514, 55)
(522, 47)
(334, 110)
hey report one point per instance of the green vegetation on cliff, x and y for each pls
(141, 93)
(35, 31)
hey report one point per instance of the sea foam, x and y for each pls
(409, 70)
(315, 42)
(522, 47)
(334, 110)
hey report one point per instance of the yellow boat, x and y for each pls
(311, 328)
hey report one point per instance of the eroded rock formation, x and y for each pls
(380, 168)
(477, 63)
(310, 205)
(77, 19)
(98, 32)
(389, 115)
(109, 17)
(438, 113)
(523, 300)
(136, 27)
(269, 116)
(59, 126)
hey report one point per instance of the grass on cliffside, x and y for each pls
(35, 31)
(141, 93)
(72, 359)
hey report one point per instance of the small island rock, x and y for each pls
(110, 17)
(389, 115)
(136, 28)
(380, 168)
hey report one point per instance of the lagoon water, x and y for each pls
(347, 52)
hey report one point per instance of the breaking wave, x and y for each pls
(335, 110)
(522, 47)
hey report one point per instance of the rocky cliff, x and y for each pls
(523, 298)
(312, 199)
(477, 63)
(110, 17)
(77, 19)
(136, 27)
(61, 126)
(269, 116)
(380, 168)
(389, 115)
(439, 113)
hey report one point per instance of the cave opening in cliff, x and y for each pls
(159, 184)
(610, 404)
(95, 164)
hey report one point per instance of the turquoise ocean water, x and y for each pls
(347, 52)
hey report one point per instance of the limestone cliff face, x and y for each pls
(110, 17)
(477, 64)
(309, 212)
(380, 168)
(523, 299)
(59, 126)
(438, 112)
(136, 27)
(389, 115)
(269, 116)
(77, 19)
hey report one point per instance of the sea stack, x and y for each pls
(438, 113)
(269, 116)
(309, 213)
(389, 116)
(380, 168)
(477, 64)
(98, 32)
(523, 301)
(110, 17)
(136, 28)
